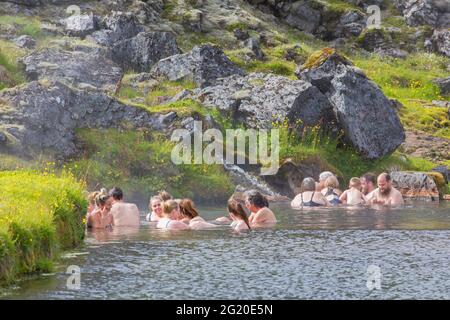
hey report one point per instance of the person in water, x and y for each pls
(100, 217)
(309, 197)
(164, 196)
(91, 202)
(258, 205)
(155, 209)
(322, 178)
(238, 215)
(368, 184)
(190, 216)
(170, 217)
(386, 194)
(353, 196)
(331, 191)
(124, 214)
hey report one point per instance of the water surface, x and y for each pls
(321, 254)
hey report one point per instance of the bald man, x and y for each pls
(386, 194)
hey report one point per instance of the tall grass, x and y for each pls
(40, 214)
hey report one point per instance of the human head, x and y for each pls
(103, 201)
(116, 193)
(155, 205)
(164, 195)
(368, 182)
(308, 184)
(254, 200)
(171, 209)
(384, 183)
(187, 209)
(332, 182)
(355, 183)
(322, 177)
(237, 211)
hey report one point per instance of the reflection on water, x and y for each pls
(323, 253)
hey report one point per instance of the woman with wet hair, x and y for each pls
(258, 205)
(238, 215)
(170, 216)
(100, 217)
(308, 196)
(190, 216)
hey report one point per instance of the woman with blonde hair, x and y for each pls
(100, 217)
(170, 216)
(155, 209)
(331, 191)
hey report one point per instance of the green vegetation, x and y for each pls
(25, 25)
(40, 214)
(10, 72)
(410, 81)
(140, 162)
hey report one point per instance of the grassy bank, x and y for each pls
(40, 214)
(140, 163)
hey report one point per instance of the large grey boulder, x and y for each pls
(144, 50)
(76, 67)
(444, 85)
(259, 99)
(116, 27)
(363, 112)
(80, 25)
(435, 13)
(203, 65)
(415, 185)
(40, 117)
(441, 41)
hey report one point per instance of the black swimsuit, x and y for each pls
(310, 203)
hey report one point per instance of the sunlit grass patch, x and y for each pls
(40, 213)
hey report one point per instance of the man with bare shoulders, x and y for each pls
(368, 185)
(386, 194)
(258, 206)
(123, 214)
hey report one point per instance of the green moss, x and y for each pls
(9, 55)
(317, 58)
(40, 214)
(26, 25)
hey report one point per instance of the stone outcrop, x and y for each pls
(76, 67)
(80, 25)
(116, 27)
(141, 52)
(415, 185)
(203, 65)
(40, 117)
(441, 42)
(444, 85)
(259, 99)
(315, 17)
(435, 13)
(364, 113)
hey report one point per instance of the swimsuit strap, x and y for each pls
(167, 224)
(312, 197)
